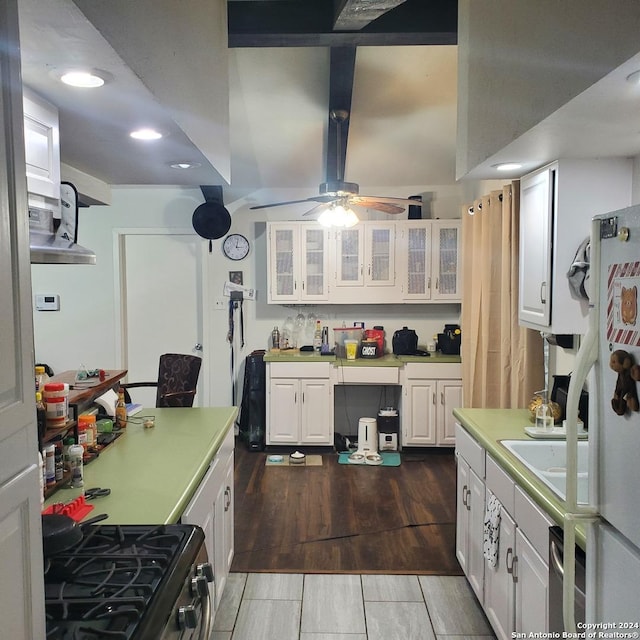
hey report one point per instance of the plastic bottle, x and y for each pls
(83, 438)
(75, 465)
(56, 399)
(275, 338)
(50, 464)
(317, 337)
(41, 416)
(121, 410)
(41, 377)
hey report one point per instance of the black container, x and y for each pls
(252, 428)
(449, 341)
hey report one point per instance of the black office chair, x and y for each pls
(177, 380)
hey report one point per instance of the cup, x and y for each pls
(544, 417)
(351, 347)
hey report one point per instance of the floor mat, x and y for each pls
(389, 459)
(309, 461)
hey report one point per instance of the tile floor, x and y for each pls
(277, 606)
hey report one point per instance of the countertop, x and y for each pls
(153, 473)
(488, 427)
(387, 360)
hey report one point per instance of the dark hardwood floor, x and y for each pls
(346, 518)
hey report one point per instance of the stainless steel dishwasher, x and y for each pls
(556, 572)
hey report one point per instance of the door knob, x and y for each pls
(198, 347)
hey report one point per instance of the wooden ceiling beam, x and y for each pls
(353, 15)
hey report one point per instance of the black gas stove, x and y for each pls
(128, 582)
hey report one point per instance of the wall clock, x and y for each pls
(235, 246)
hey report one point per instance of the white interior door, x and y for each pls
(162, 304)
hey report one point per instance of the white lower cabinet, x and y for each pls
(514, 592)
(429, 399)
(299, 403)
(211, 508)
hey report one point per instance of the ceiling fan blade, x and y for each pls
(371, 203)
(318, 207)
(397, 201)
(279, 204)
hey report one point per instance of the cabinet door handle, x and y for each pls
(437, 283)
(464, 496)
(543, 292)
(468, 499)
(509, 560)
(429, 282)
(227, 498)
(442, 397)
(295, 397)
(434, 398)
(303, 397)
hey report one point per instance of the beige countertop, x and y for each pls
(489, 427)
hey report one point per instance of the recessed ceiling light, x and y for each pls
(507, 166)
(146, 134)
(185, 165)
(83, 79)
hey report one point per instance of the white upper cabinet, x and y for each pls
(445, 260)
(365, 263)
(297, 257)
(429, 260)
(42, 147)
(557, 203)
(413, 261)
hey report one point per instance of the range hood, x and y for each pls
(53, 241)
(48, 248)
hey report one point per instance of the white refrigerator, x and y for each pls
(612, 517)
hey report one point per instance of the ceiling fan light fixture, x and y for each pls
(338, 216)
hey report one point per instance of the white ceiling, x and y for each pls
(403, 118)
(402, 127)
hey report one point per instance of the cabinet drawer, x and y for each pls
(500, 484)
(533, 522)
(299, 369)
(470, 450)
(369, 375)
(434, 371)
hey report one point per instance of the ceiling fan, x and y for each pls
(337, 193)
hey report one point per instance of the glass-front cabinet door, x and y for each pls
(283, 257)
(349, 257)
(380, 253)
(446, 268)
(416, 260)
(315, 262)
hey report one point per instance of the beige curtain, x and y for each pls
(502, 363)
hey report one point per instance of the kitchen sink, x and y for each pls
(548, 461)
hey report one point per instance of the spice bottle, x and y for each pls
(75, 465)
(41, 377)
(121, 410)
(50, 464)
(41, 416)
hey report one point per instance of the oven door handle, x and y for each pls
(204, 576)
